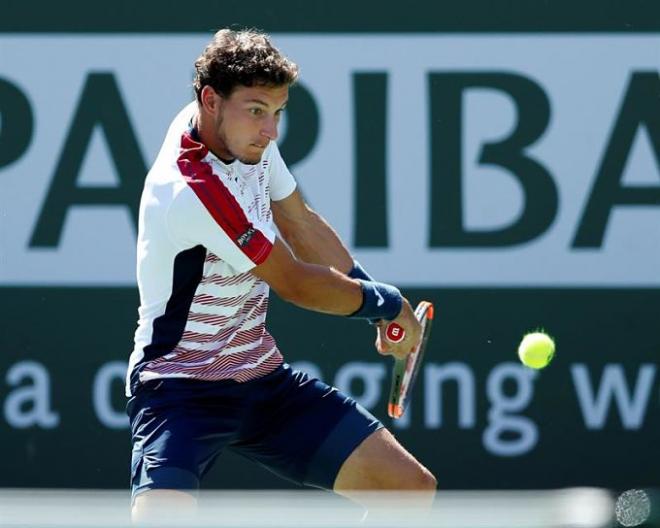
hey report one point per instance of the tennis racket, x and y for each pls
(405, 370)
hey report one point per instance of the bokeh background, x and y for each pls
(501, 159)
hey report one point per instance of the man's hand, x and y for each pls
(411, 327)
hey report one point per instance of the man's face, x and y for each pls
(247, 120)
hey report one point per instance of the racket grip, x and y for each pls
(395, 405)
(394, 410)
(394, 332)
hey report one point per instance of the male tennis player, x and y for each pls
(205, 374)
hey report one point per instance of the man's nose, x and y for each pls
(270, 129)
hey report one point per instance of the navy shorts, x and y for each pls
(298, 427)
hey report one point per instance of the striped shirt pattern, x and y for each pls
(225, 336)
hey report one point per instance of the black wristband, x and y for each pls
(358, 272)
(379, 301)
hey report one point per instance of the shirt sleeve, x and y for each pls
(282, 182)
(205, 212)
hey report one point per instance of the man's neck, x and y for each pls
(208, 137)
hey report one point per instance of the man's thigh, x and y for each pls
(381, 463)
(177, 431)
(305, 430)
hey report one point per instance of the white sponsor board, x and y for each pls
(585, 79)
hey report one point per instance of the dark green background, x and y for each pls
(74, 331)
(302, 16)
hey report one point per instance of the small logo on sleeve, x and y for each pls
(245, 237)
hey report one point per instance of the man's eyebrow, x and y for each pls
(263, 103)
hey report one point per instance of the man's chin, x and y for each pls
(250, 161)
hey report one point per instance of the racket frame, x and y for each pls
(402, 385)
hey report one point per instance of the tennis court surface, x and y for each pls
(575, 508)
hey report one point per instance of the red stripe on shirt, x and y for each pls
(219, 201)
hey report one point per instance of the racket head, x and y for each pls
(404, 371)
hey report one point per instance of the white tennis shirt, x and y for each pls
(203, 226)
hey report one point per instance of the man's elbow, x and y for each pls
(294, 235)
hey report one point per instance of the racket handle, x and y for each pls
(394, 406)
(394, 332)
(394, 410)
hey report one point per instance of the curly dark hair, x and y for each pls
(245, 57)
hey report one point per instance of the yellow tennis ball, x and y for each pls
(536, 350)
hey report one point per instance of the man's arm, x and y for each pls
(314, 241)
(324, 289)
(315, 287)
(310, 237)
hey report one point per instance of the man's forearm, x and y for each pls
(324, 289)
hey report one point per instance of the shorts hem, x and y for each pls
(353, 429)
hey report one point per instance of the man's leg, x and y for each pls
(380, 463)
(152, 506)
(313, 434)
(176, 436)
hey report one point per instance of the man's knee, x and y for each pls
(381, 463)
(426, 481)
(413, 478)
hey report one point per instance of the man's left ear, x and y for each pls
(210, 99)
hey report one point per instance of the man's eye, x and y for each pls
(256, 111)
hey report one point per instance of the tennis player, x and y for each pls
(205, 374)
